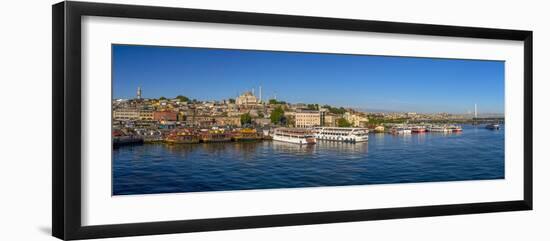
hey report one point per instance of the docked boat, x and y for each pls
(344, 134)
(455, 128)
(294, 135)
(215, 135)
(379, 129)
(121, 138)
(246, 134)
(182, 136)
(493, 126)
(441, 129)
(401, 130)
(418, 129)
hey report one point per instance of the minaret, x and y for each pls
(260, 94)
(139, 93)
(475, 110)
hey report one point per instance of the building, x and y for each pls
(356, 120)
(165, 116)
(126, 114)
(330, 120)
(146, 115)
(247, 99)
(305, 118)
(228, 121)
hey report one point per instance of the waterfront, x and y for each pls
(475, 154)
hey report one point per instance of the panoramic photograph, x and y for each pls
(189, 119)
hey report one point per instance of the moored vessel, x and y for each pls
(182, 136)
(418, 129)
(214, 135)
(493, 126)
(294, 135)
(401, 130)
(344, 134)
(246, 134)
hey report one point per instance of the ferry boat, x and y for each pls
(401, 130)
(246, 134)
(439, 129)
(121, 138)
(345, 134)
(183, 136)
(418, 129)
(214, 135)
(455, 128)
(294, 135)
(493, 126)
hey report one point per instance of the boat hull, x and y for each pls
(296, 140)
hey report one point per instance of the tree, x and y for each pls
(232, 101)
(343, 123)
(162, 98)
(277, 115)
(246, 119)
(182, 98)
(313, 106)
(275, 102)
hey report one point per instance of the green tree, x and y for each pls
(246, 119)
(312, 106)
(277, 115)
(162, 98)
(182, 98)
(275, 102)
(343, 123)
(232, 101)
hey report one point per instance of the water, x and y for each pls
(475, 154)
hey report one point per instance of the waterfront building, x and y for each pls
(247, 99)
(307, 118)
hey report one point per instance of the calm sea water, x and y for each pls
(475, 154)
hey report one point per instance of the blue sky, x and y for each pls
(358, 81)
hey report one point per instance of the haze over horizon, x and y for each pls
(399, 84)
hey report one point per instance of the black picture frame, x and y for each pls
(66, 127)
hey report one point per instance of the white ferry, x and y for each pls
(401, 130)
(345, 134)
(294, 135)
(439, 129)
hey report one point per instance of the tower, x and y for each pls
(260, 101)
(475, 110)
(139, 93)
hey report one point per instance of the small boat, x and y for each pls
(418, 129)
(379, 129)
(183, 136)
(294, 135)
(455, 128)
(493, 126)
